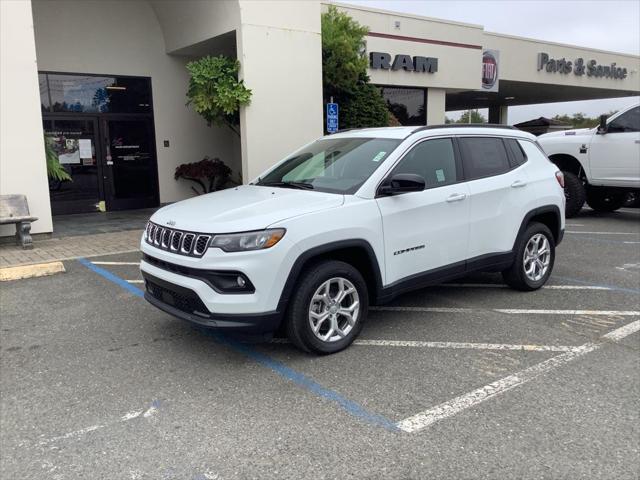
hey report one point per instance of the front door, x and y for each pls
(74, 143)
(130, 171)
(613, 156)
(428, 230)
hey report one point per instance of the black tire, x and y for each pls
(297, 322)
(574, 193)
(603, 201)
(515, 276)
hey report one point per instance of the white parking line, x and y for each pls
(608, 313)
(464, 345)
(546, 287)
(603, 233)
(135, 281)
(452, 407)
(515, 311)
(116, 263)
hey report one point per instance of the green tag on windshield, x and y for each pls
(378, 157)
(440, 175)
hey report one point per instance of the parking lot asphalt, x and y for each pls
(468, 380)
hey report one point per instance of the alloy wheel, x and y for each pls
(334, 309)
(537, 257)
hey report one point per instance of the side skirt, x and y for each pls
(493, 262)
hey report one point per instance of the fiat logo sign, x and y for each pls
(489, 70)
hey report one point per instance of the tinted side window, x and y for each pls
(518, 157)
(533, 151)
(627, 122)
(434, 160)
(483, 157)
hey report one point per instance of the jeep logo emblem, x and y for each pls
(171, 223)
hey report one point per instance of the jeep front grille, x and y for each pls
(177, 241)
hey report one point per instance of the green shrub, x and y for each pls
(215, 91)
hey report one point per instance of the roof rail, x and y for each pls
(465, 125)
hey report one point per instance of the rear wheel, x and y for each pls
(535, 253)
(575, 194)
(603, 201)
(329, 308)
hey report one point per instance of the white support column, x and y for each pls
(23, 169)
(280, 52)
(435, 105)
(499, 114)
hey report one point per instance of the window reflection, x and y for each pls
(407, 105)
(94, 94)
(45, 103)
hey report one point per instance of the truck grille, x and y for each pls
(177, 241)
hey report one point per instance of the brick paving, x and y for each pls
(69, 247)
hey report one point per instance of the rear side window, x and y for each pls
(517, 156)
(532, 151)
(434, 160)
(483, 157)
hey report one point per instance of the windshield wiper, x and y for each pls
(299, 185)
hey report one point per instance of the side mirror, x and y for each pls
(402, 183)
(602, 127)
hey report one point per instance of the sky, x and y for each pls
(602, 24)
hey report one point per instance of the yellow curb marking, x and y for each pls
(30, 271)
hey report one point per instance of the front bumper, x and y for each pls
(185, 304)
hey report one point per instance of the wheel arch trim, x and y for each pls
(554, 209)
(327, 248)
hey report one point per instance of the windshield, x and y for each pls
(334, 165)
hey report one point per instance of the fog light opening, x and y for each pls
(241, 281)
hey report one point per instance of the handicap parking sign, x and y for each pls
(332, 117)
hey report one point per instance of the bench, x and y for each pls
(14, 209)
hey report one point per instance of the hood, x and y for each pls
(243, 208)
(566, 133)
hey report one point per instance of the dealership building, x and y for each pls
(106, 82)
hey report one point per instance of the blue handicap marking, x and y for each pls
(332, 117)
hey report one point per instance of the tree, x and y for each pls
(362, 108)
(580, 120)
(215, 91)
(344, 72)
(343, 61)
(476, 117)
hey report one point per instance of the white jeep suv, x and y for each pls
(355, 219)
(601, 165)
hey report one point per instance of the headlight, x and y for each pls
(240, 242)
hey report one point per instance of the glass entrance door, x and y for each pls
(130, 167)
(75, 143)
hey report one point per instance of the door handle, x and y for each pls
(456, 197)
(518, 184)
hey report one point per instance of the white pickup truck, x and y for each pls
(601, 165)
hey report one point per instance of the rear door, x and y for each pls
(427, 230)
(499, 195)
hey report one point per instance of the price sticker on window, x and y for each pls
(440, 175)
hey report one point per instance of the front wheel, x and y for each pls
(535, 253)
(328, 309)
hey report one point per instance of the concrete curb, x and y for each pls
(30, 271)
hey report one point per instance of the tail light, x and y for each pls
(560, 178)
